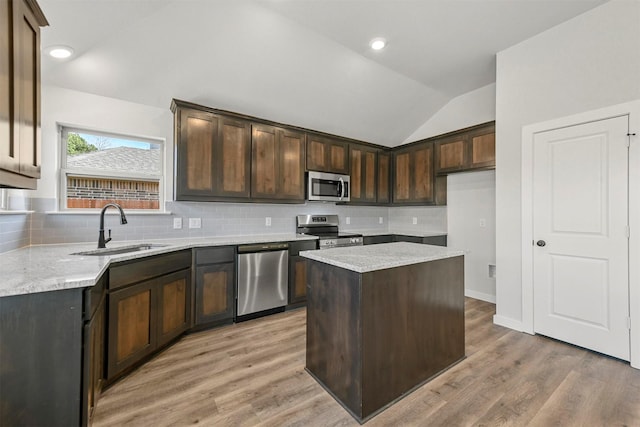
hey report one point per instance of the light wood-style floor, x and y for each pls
(252, 373)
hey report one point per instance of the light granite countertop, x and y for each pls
(398, 232)
(363, 259)
(46, 268)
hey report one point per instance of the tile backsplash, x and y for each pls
(217, 219)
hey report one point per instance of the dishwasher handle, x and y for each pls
(262, 247)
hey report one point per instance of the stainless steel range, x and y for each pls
(326, 228)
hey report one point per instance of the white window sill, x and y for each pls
(3, 212)
(108, 212)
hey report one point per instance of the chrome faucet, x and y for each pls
(102, 242)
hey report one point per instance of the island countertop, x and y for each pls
(363, 259)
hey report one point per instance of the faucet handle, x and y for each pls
(109, 238)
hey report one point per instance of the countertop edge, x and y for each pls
(36, 275)
(339, 257)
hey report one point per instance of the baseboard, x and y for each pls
(480, 295)
(508, 323)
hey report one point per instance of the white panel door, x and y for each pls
(581, 261)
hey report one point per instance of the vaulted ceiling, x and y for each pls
(302, 62)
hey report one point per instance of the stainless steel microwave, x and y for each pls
(328, 187)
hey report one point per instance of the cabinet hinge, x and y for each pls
(627, 230)
(629, 323)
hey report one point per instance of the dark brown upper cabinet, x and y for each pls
(20, 22)
(384, 168)
(327, 155)
(277, 163)
(413, 177)
(213, 156)
(467, 150)
(363, 173)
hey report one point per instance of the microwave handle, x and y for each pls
(341, 188)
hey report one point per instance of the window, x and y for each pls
(100, 168)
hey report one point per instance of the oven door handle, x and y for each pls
(341, 188)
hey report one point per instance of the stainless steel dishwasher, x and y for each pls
(263, 276)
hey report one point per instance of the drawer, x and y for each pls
(130, 272)
(215, 255)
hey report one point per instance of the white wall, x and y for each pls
(471, 216)
(472, 108)
(85, 110)
(589, 62)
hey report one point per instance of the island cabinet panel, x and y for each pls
(395, 338)
(327, 155)
(277, 166)
(383, 178)
(334, 340)
(373, 337)
(414, 178)
(214, 286)
(363, 173)
(213, 155)
(20, 156)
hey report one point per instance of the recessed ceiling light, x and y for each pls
(59, 52)
(378, 43)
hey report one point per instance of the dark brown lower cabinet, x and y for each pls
(215, 284)
(51, 353)
(298, 279)
(132, 323)
(214, 292)
(298, 270)
(93, 360)
(146, 315)
(173, 304)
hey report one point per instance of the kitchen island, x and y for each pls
(382, 320)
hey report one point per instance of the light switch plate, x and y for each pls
(415, 220)
(483, 222)
(177, 223)
(348, 220)
(195, 223)
(267, 221)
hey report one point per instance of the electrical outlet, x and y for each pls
(483, 222)
(348, 220)
(492, 270)
(177, 223)
(415, 220)
(267, 221)
(380, 220)
(195, 223)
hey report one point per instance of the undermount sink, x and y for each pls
(120, 250)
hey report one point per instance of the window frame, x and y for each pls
(65, 171)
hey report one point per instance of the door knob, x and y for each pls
(541, 243)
